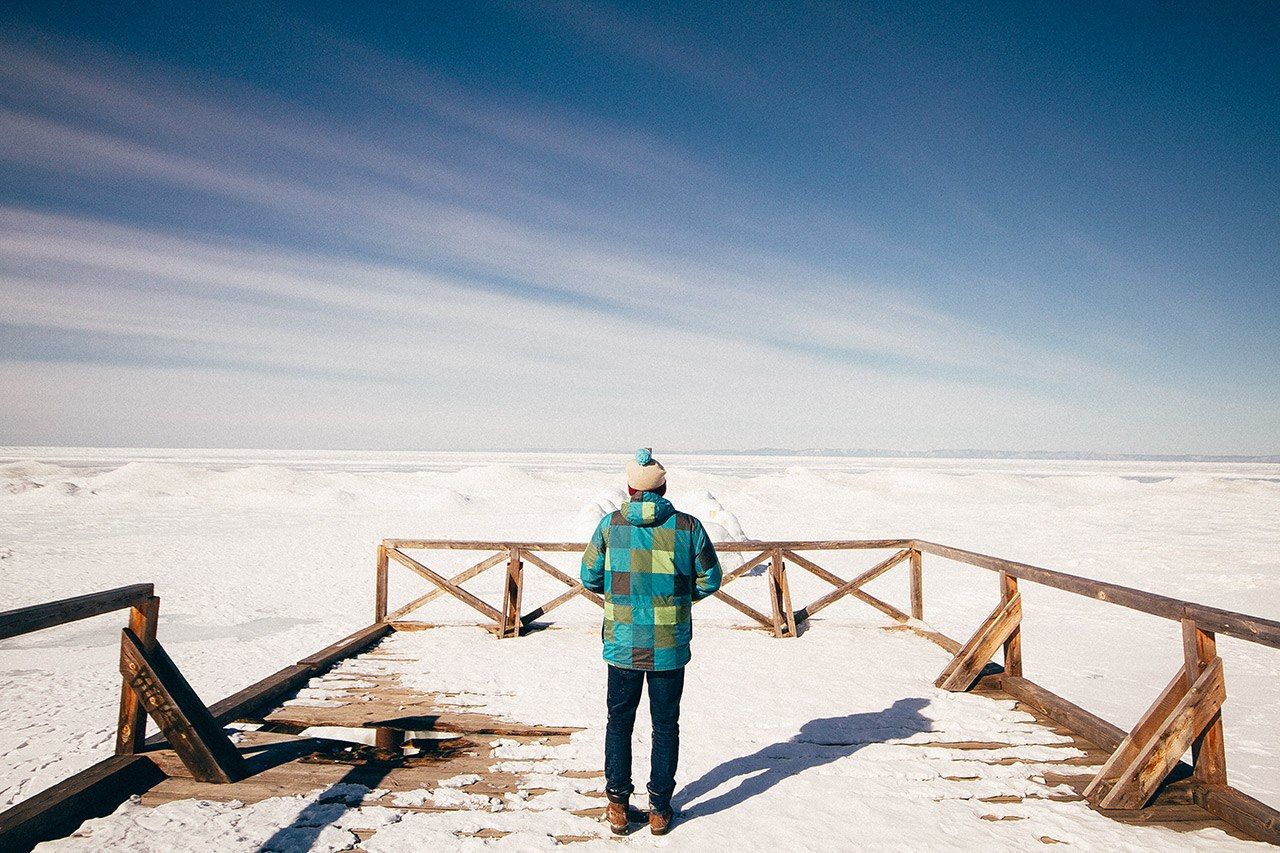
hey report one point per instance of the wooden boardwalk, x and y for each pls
(378, 724)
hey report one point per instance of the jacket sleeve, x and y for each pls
(592, 572)
(706, 564)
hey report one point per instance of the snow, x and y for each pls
(261, 558)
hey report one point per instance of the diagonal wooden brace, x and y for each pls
(1157, 743)
(444, 584)
(963, 670)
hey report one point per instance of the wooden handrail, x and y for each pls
(24, 620)
(1255, 629)
(727, 547)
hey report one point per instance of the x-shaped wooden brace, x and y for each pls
(850, 588)
(1173, 724)
(575, 588)
(447, 585)
(741, 606)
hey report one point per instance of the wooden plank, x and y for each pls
(785, 586)
(776, 606)
(178, 711)
(1089, 726)
(460, 578)
(1013, 645)
(542, 610)
(1127, 750)
(347, 646)
(741, 607)
(131, 724)
(380, 586)
(1239, 625)
(1209, 752)
(977, 652)
(744, 568)
(456, 591)
(24, 620)
(512, 593)
(58, 811)
(723, 547)
(814, 568)
(884, 607)
(243, 702)
(1241, 811)
(564, 579)
(1139, 780)
(917, 585)
(851, 588)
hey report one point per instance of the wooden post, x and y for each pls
(131, 725)
(1013, 645)
(380, 591)
(784, 618)
(917, 586)
(1208, 751)
(513, 591)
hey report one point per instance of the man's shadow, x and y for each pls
(818, 742)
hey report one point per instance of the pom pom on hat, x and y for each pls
(644, 473)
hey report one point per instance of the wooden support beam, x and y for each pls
(1208, 751)
(1012, 645)
(24, 620)
(1125, 752)
(1089, 726)
(512, 593)
(131, 724)
(1135, 781)
(743, 608)
(728, 577)
(977, 652)
(347, 646)
(452, 589)
(380, 587)
(784, 618)
(187, 724)
(577, 586)
(812, 567)
(917, 585)
(1240, 810)
(95, 792)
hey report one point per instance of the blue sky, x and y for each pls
(594, 225)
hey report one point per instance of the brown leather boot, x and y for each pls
(660, 822)
(616, 814)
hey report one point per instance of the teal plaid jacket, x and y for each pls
(651, 563)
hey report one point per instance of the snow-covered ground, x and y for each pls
(261, 558)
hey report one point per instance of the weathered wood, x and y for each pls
(512, 593)
(131, 724)
(884, 607)
(244, 702)
(977, 652)
(177, 710)
(1143, 730)
(852, 588)
(1241, 811)
(747, 566)
(1013, 645)
(779, 600)
(812, 567)
(917, 585)
(1244, 627)
(1137, 781)
(347, 646)
(565, 579)
(452, 589)
(24, 620)
(1209, 754)
(1088, 725)
(743, 608)
(380, 587)
(723, 547)
(58, 811)
(460, 578)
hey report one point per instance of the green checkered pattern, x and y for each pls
(651, 563)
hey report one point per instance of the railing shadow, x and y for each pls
(328, 808)
(818, 742)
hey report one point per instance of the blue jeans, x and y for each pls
(665, 689)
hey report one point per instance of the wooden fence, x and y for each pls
(1187, 715)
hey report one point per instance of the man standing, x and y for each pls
(651, 563)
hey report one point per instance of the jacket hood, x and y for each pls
(647, 509)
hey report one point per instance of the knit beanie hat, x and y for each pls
(644, 473)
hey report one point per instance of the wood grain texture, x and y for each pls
(131, 724)
(963, 669)
(24, 620)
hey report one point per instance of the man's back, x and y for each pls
(651, 563)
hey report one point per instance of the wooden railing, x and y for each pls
(1186, 716)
